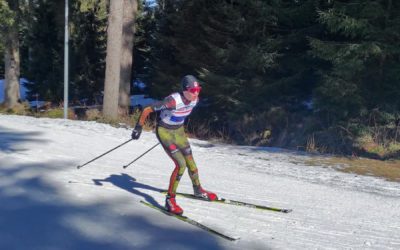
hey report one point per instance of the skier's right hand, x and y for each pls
(136, 132)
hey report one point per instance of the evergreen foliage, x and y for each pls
(143, 44)
(359, 88)
(263, 59)
(7, 18)
(363, 58)
(250, 55)
(45, 49)
(88, 43)
(259, 62)
(45, 43)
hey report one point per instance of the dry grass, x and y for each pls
(93, 114)
(390, 170)
(19, 109)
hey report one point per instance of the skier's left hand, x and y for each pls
(136, 132)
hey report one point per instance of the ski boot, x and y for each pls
(204, 194)
(171, 206)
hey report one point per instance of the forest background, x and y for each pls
(314, 75)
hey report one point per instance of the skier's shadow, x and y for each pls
(129, 183)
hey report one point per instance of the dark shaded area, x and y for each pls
(9, 139)
(202, 145)
(130, 184)
(35, 216)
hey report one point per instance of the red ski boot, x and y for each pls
(171, 206)
(204, 194)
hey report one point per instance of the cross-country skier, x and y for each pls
(170, 132)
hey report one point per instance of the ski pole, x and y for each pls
(79, 166)
(140, 156)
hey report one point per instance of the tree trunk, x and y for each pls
(12, 66)
(128, 31)
(113, 59)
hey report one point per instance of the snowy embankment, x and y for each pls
(46, 203)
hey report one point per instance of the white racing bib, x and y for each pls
(178, 115)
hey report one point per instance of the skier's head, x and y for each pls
(191, 87)
(191, 84)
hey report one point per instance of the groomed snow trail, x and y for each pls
(46, 203)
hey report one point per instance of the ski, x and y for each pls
(237, 203)
(190, 221)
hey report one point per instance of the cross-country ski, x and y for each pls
(192, 222)
(237, 203)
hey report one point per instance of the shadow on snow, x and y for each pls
(35, 215)
(10, 139)
(129, 183)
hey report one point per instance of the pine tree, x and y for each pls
(361, 58)
(251, 55)
(88, 49)
(46, 50)
(143, 44)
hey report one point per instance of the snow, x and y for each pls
(47, 203)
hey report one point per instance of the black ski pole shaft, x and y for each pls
(140, 156)
(78, 167)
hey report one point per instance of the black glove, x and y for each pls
(136, 132)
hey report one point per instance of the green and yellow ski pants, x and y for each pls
(177, 146)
